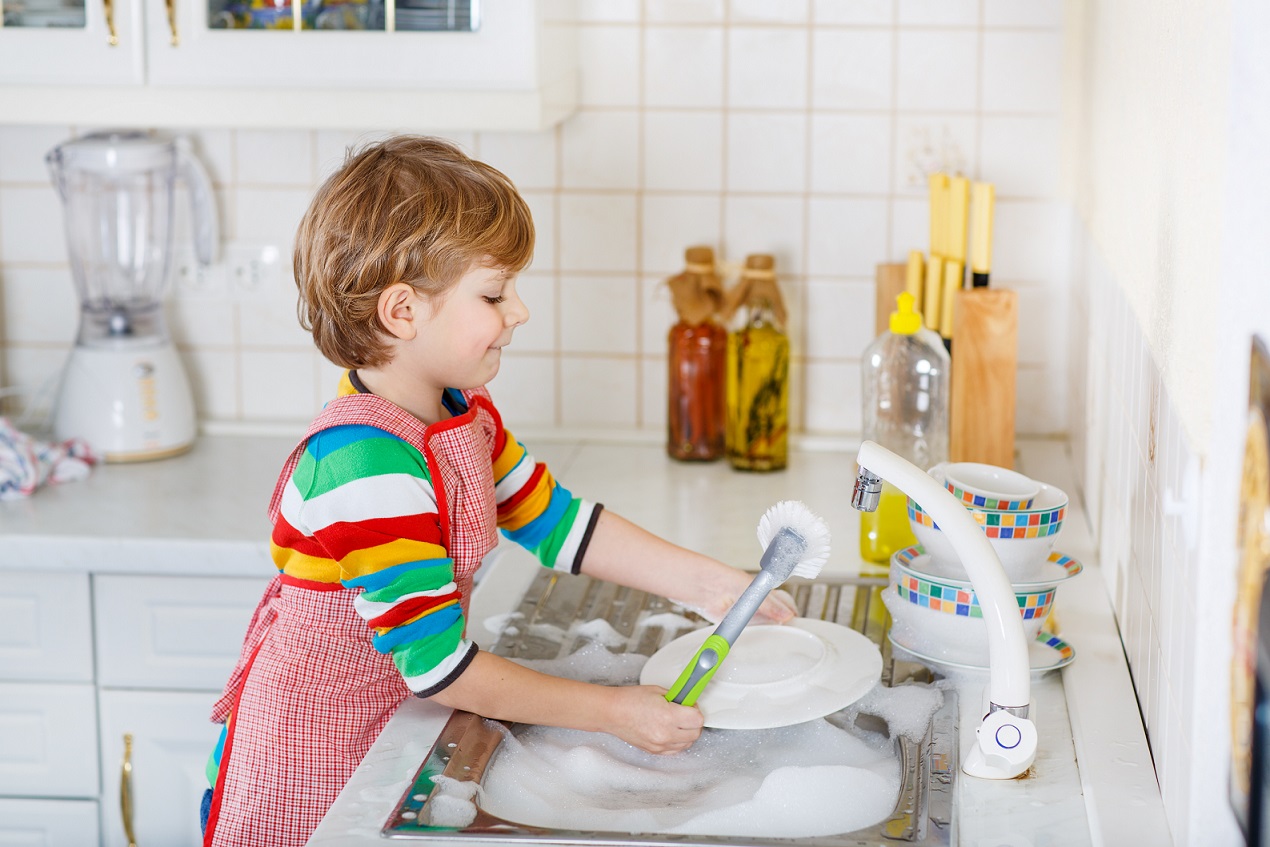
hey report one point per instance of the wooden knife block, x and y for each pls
(889, 281)
(984, 373)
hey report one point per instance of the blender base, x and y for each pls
(129, 399)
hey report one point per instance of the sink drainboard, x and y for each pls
(553, 603)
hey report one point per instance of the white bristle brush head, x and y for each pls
(812, 529)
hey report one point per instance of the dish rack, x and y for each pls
(467, 744)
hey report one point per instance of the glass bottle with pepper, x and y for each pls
(697, 357)
(758, 370)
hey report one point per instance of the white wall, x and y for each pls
(1171, 121)
(799, 128)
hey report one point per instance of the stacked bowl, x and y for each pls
(935, 613)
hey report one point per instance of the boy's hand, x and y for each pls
(777, 607)
(642, 717)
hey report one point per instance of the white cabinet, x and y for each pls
(48, 823)
(46, 627)
(142, 655)
(83, 55)
(170, 742)
(48, 740)
(517, 71)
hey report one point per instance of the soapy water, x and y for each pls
(791, 782)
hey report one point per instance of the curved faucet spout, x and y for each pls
(1009, 684)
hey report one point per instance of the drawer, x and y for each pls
(170, 632)
(48, 740)
(45, 628)
(49, 823)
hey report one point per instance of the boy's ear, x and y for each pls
(399, 311)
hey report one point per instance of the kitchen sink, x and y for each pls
(544, 629)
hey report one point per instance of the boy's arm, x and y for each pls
(497, 688)
(626, 554)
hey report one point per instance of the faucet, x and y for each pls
(1006, 739)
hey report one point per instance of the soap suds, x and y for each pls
(779, 783)
(451, 803)
(601, 631)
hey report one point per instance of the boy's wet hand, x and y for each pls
(778, 607)
(642, 717)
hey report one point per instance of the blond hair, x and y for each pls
(408, 209)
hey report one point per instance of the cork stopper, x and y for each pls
(757, 290)
(697, 292)
(760, 262)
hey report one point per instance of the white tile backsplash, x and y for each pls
(937, 71)
(598, 314)
(802, 129)
(843, 234)
(851, 154)
(683, 151)
(767, 151)
(1022, 71)
(674, 222)
(601, 150)
(22, 151)
(609, 61)
(767, 68)
(852, 69)
(683, 66)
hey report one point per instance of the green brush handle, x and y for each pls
(693, 680)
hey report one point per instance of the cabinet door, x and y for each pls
(48, 740)
(48, 823)
(46, 627)
(171, 739)
(500, 54)
(170, 632)
(79, 42)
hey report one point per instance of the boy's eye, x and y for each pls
(494, 300)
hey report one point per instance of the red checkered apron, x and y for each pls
(309, 694)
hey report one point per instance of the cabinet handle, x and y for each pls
(125, 790)
(109, 5)
(176, 37)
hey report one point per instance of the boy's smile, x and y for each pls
(462, 334)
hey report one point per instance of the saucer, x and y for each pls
(775, 675)
(1046, 653)
(1055, 569)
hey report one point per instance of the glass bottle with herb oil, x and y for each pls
(758, 371)
(698, 358)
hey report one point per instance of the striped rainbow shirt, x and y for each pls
(360, 512)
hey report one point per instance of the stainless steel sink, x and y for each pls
(465, 747)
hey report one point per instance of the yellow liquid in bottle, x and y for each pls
(885, 531)
(757, 398)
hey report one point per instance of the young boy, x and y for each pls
(406, 263)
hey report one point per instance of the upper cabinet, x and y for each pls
(351, 64)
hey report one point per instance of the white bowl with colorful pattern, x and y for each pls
(1022, 538)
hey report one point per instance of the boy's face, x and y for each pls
(460, 341)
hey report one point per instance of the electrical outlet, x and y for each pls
(254, 269)
(194, 279)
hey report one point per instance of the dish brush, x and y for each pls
(795, 543)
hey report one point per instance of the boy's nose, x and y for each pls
(517, 312)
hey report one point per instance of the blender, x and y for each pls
(124, 390)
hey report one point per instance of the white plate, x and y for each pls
(775, 675)
(1046, 653)
(1055, 569)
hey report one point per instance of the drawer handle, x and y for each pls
(125, 790)
(109, 6)
(176, 38)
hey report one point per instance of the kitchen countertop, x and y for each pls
(204, 514)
